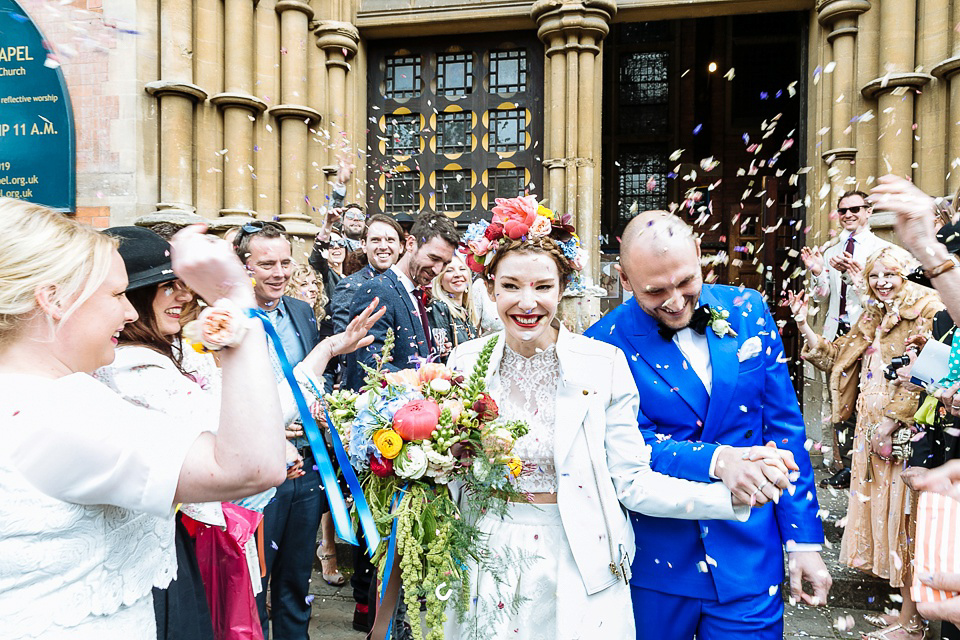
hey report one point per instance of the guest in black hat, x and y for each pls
(155, 369)
(159, 297)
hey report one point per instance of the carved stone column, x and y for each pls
(947, 71)
(294, 116)
(238, 104)
(573, 32)
(339, 42)
(176, 95)
(894, 89)
(839, 19)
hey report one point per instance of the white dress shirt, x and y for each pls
(827, 284)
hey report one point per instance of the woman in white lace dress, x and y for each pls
(559, 565)
(88, 481)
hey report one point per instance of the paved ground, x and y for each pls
(853, 596)
(333, 617)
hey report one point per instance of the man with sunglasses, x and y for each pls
(836, 275)
(291, 520)
(353, 223)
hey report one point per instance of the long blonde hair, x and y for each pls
(460, 311)
(40, 248)
(300, 273)
(900, 261)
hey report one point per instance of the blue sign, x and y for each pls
(37, 148)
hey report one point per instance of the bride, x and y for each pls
(559, 565)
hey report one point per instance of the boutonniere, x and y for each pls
(719, 323)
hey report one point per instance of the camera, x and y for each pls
(890, 373)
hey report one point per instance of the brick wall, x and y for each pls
(83, 40)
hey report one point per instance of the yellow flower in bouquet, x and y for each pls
(388, 442)
(515, 465)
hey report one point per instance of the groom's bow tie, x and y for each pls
(698, 322)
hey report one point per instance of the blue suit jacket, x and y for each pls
(752, 402)
(341, 300)
(401, 316)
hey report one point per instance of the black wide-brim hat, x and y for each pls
(145, 254)
(949, 236)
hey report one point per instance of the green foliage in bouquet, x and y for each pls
(420, 439)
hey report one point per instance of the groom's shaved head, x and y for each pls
(653, 233)
(660, 265)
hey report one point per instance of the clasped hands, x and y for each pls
(755, 475)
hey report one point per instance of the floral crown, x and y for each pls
(525, 220)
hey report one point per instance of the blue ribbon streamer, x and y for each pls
(338, 505)
(364, 515)
(391, 551)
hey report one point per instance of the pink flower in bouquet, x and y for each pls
(404, 378)
(417, 420)
(486, 408)
(381, 468)
(433, 370)
(541, 227)
(479, 247)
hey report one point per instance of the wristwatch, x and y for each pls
(943, 267)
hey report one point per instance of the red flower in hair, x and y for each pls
(493, 232)
(475, 266)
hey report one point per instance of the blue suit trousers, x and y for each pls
(662, 616)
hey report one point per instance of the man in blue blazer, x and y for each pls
(712, 380)
(402, 289)
(292, 518)
(382, 244)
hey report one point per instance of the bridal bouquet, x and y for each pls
(414, 434)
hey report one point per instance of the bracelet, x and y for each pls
(218, 327)
(942, 268)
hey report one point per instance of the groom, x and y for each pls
(709, 385)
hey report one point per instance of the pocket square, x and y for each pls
(749, 349)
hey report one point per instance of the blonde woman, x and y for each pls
(88, 481)
(876, 537)
(450, 317)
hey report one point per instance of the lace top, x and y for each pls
(87, 482)
(530, 394)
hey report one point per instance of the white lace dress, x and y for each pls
(87, 482)
(516, 595)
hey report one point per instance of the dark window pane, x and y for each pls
(646, 32)
(508, 71)
(644, 92)
(454, 74)
(641, 180)
(507, 128)
(403, 134)
(402, 78)
(453, 132)
(401, 192)
(453, 190)
(505, 183)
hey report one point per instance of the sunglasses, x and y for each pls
(853, 209)
(354, 216)
(255, 227)
(338, 243)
